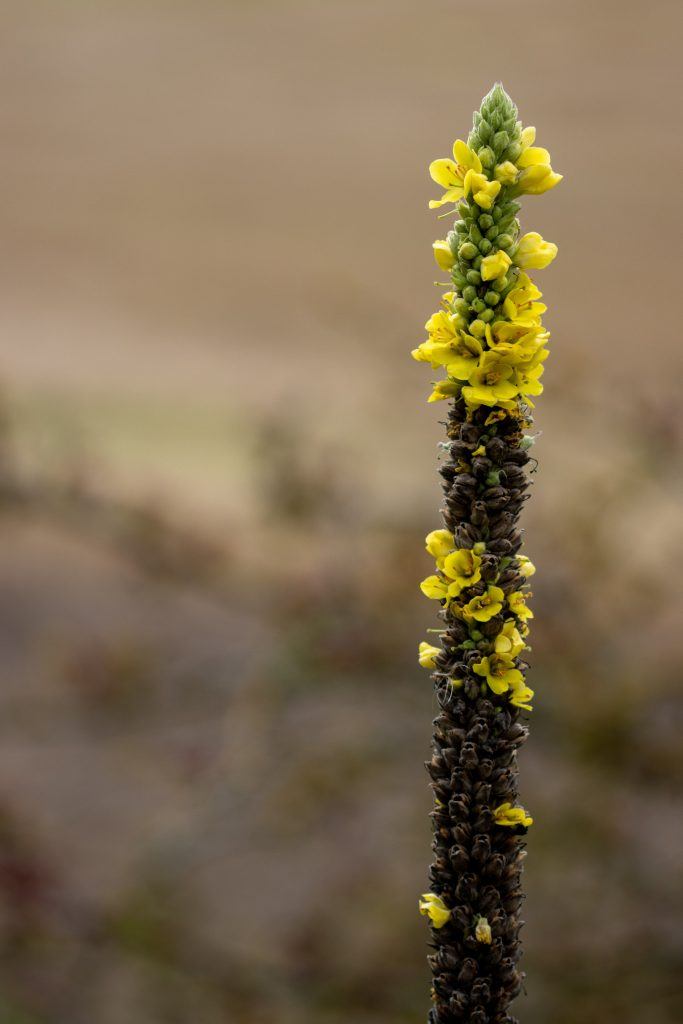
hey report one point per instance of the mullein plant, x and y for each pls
(489, 339)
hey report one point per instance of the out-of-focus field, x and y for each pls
(216, 469)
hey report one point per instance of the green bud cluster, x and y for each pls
(495, 137)
(496, 129)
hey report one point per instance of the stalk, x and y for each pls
(489, 338)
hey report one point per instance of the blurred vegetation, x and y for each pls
(216, 472)
(219, 808)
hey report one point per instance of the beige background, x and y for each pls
(217, 469)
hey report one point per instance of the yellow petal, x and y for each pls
(465, 156)
(506, 173)
(442, 254)
(439, 543)
(427, 654)
(452, 196)
(445, 172)
(434, 588)
(433, 906)
(526, 566)
(494, 265)
(533, 252)
(537, 179)
(528, 137)
(533, 155)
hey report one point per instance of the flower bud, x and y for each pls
(487, 156)
(482, 931)
(486, 315)
(461, 307)
(506, 222)
(492, 233)
(495, 265)
(477, 328)
(443, 254)
(477, 305)
(475, 234)
(485, 247)
(469, 294)
(485, 221)
(501, 141)
(492, 298)
(467, 251)
(533, 253)
(513, 152)
(427, 655)
(505, 241)
(474, 277)
(506, 173)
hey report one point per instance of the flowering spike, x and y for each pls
(489, 339)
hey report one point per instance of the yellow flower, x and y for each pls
(464, 357)
(518, 607)
(494, 265)
(506, 814)
(534, 181)
(535, 173)
(483, 191)
(491, 382)
(509, 642)
(444, 389)
(485, 606)
(527, 379)
(443, 254)
(443, 326)
(444, 343)
(499, 672)
(439, 543)
(516, 343)
(426, 654)
(506, 173)
(520, 305)
(533, 253)
(482, 932)
(528, 137)
(526, 566)
(434, 588)
(463, 567)
(433, 907)
(521, 695)
(451, 175)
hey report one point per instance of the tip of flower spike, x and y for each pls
(498, 98)
(497, 91)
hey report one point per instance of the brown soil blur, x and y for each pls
(217, 466)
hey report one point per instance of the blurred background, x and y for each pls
(217, 467)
